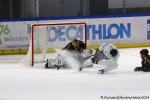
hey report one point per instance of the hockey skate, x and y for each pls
(137, 69)
(58, 67)
(80, 69)
(101, 71)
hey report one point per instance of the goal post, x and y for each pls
(45, 38)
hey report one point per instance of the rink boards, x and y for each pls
(123, 31)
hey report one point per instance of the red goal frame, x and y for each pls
(32, 34)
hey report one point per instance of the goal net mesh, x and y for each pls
(46, 38)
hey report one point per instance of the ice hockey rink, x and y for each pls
(19, 82)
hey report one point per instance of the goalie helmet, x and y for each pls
(144, 52)
(113, 52)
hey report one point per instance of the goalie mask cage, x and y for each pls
(48, 37)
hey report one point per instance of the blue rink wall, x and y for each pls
(122, 30)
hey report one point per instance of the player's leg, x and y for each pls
(111, 67)
(85, 64)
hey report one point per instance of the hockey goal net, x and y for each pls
(46, 38)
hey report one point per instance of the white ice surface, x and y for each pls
(19, 82)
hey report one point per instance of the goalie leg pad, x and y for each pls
(49, 64)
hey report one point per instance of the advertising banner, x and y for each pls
(16, 35)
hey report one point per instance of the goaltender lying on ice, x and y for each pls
(74, 48)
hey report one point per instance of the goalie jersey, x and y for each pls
(75, 45)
